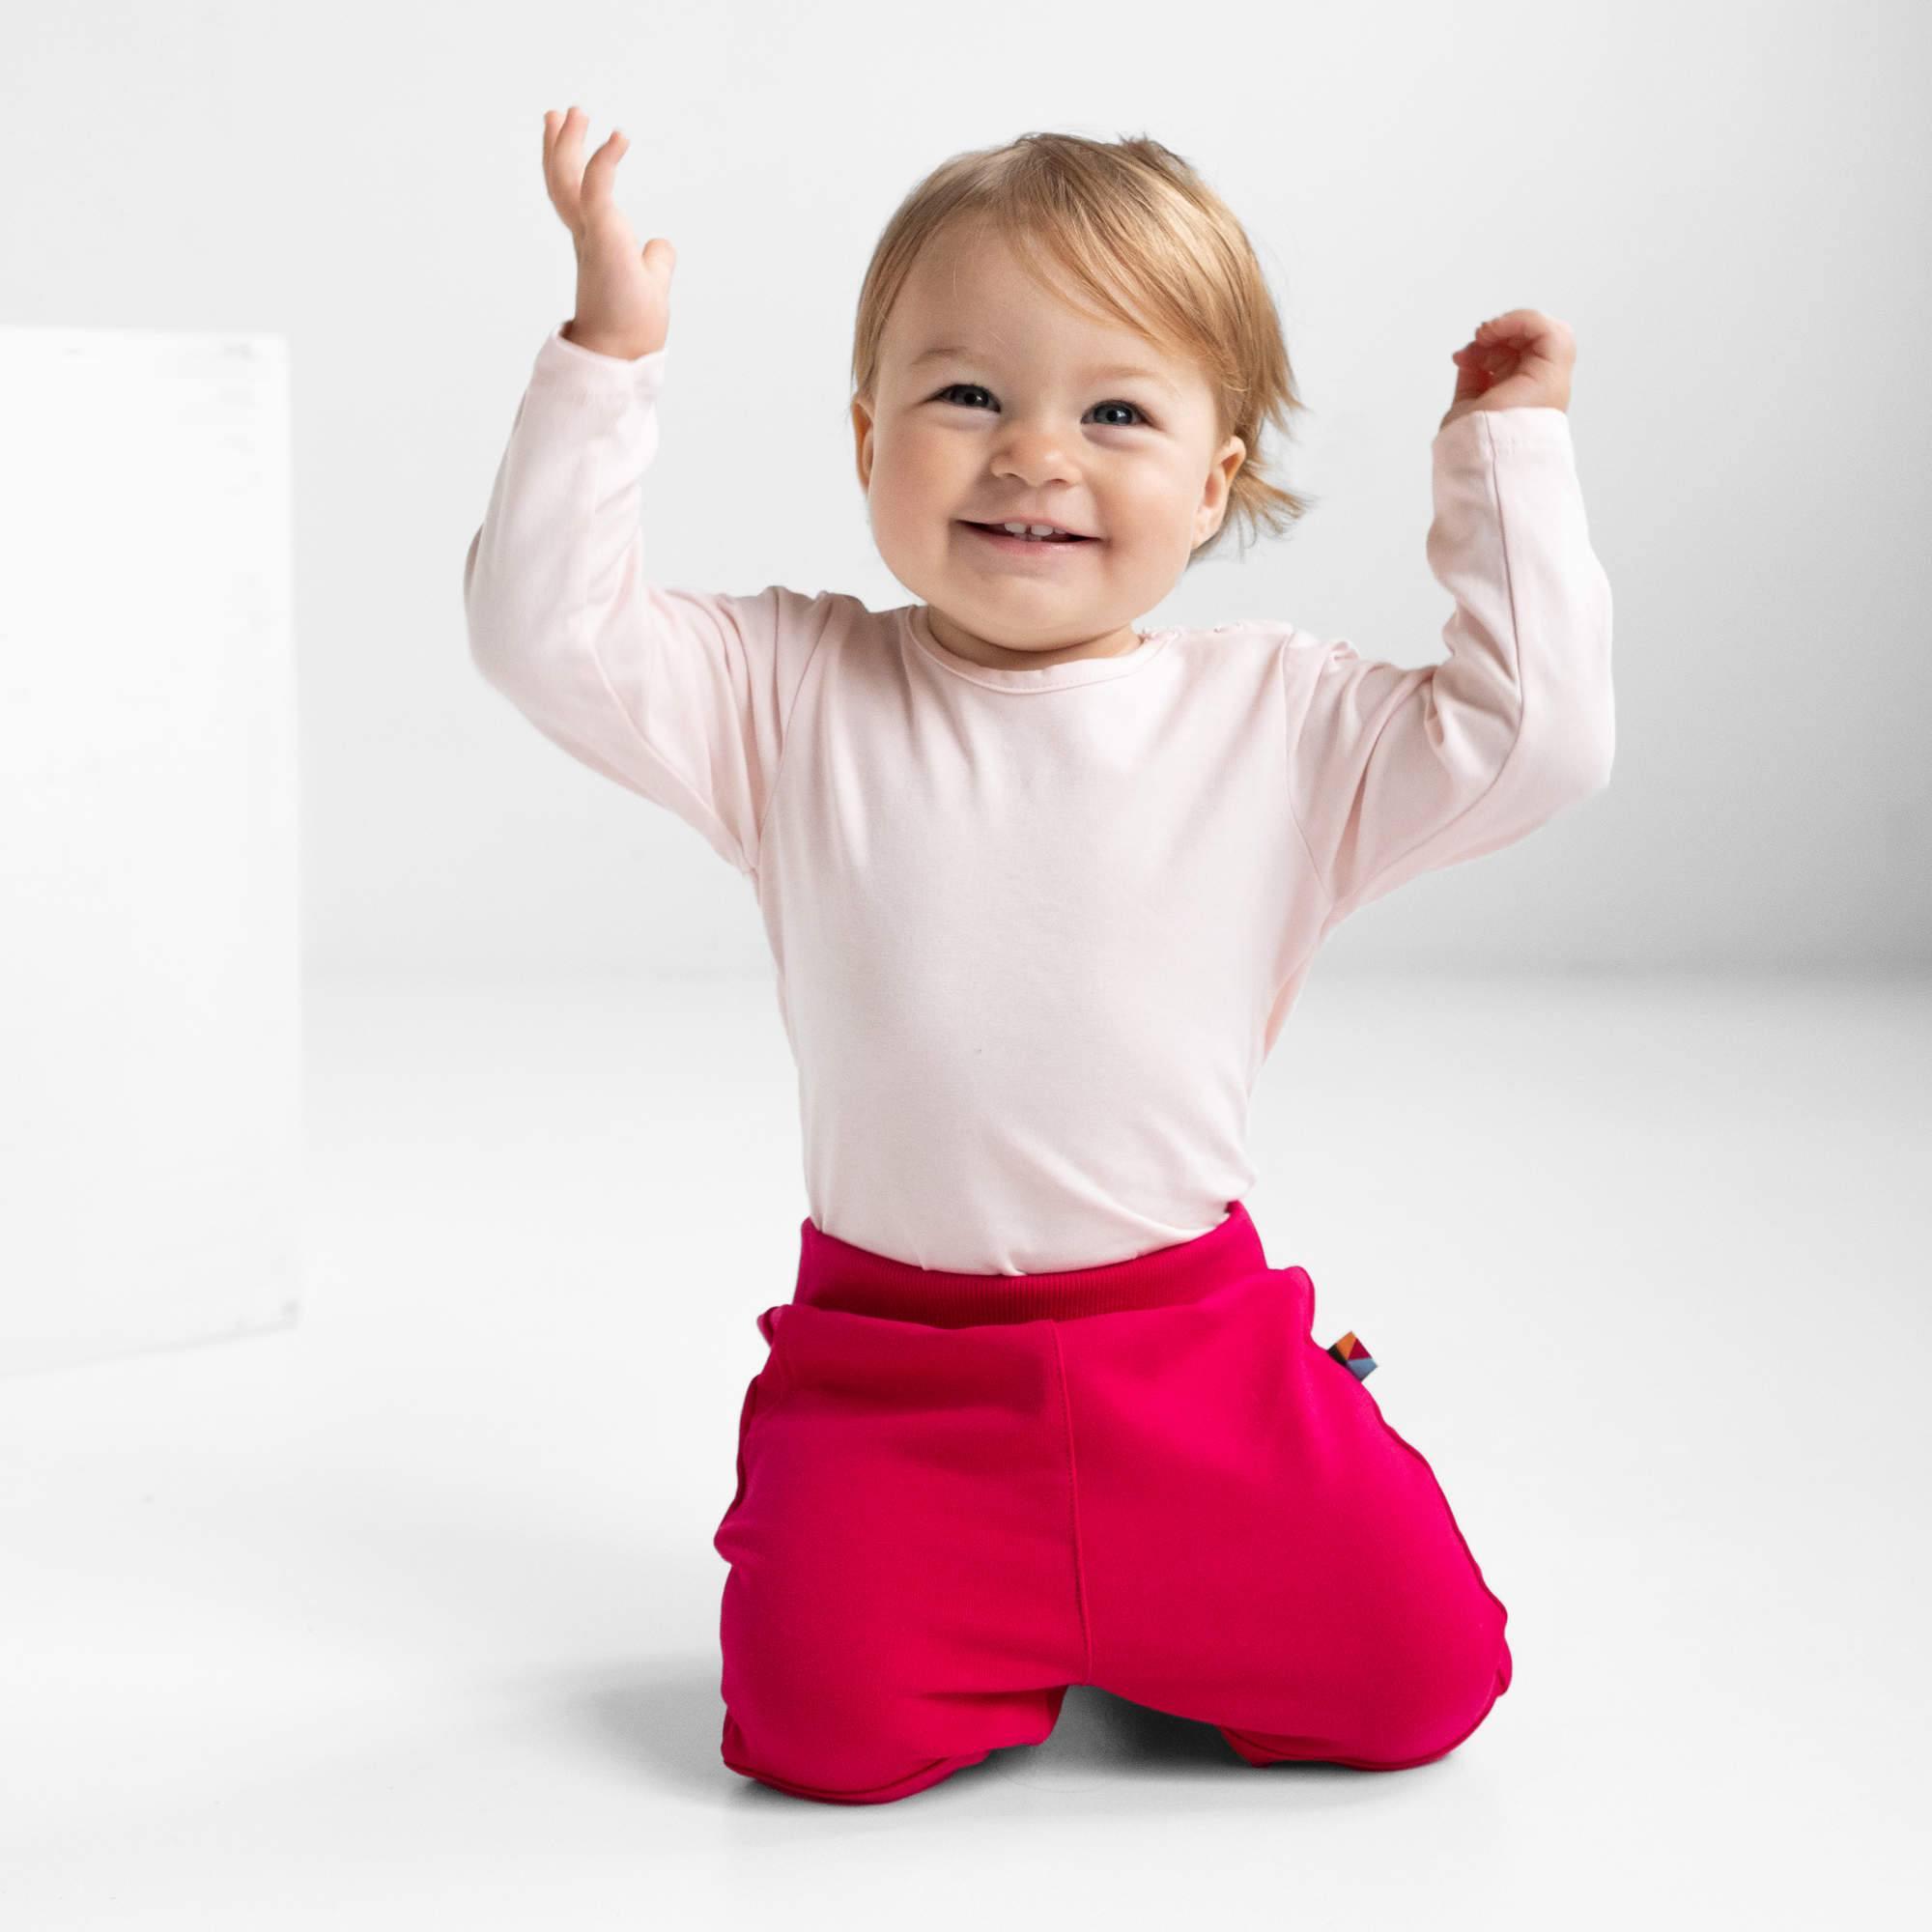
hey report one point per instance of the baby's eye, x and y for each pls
(979, 389)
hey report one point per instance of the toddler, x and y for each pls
(1041, 888)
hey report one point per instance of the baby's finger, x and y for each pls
(603, 166)
(563, 173)
(559, 132)
(1515, 325)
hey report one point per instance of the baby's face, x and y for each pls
(995, 401)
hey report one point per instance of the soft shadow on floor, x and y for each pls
(665, 1719)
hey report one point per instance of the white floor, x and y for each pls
(411, 1609)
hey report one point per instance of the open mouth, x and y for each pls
(1004, 539)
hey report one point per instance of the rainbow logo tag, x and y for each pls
(1353, 1356)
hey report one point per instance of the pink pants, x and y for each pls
(961, 1495)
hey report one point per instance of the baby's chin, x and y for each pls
(997, 640)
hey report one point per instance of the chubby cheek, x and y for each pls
(909, 512)
(907, 531)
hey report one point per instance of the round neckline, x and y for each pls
(1035, 677)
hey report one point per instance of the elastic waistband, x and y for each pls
(836, 1274)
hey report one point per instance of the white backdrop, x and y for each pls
(1717, 199)
(410, 1605)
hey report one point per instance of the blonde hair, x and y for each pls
(1131, 224)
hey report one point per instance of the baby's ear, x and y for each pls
(861, 430)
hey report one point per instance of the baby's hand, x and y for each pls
(623, 298)
(1522, 358)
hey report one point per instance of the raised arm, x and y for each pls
(679, 694)
(1394, 771)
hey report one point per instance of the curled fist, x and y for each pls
(1521, 359)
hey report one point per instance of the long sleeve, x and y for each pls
(681, 696)
(1394, 771)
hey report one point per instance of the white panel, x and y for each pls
(150, 1015)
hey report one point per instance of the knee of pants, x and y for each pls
(1437, 1697)
(807, 1774)
(1410, 1694)
(823, 1736)
(851, 1710)
(870, 1750)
